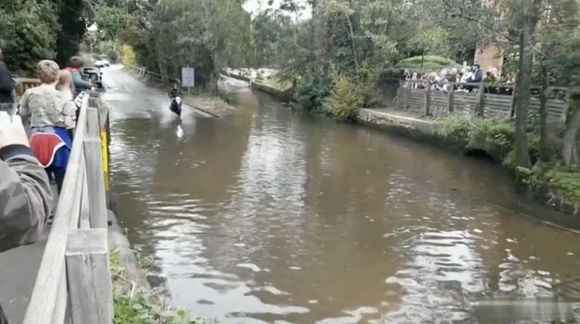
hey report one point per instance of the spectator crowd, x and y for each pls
(466, 79)
(31, 162)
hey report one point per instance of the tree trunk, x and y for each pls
(523, 99)
(544, 146)
(569, 152)
(318, 37)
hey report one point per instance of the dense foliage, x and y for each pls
(37, 29)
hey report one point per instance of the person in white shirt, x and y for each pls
(65, 86)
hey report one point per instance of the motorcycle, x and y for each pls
(175, 105)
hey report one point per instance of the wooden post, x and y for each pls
(566, 107)
(427, 107)
(479, 108)
(513, 103)
(400, 92)
(94, 172)
(407, 94)
(85, 214)
(450, 97)
(89, 277)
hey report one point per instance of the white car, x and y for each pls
(102, 63)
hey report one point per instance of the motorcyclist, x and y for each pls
(174, 93)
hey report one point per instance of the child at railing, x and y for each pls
(65, 86)
(50, 113)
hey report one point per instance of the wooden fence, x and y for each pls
(496, 102)
(73, 284)
(23, 84)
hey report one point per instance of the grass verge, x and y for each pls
(133, 305)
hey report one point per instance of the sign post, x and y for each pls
(187, 77)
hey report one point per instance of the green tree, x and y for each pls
(28, 30)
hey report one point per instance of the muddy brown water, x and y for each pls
(268, 216)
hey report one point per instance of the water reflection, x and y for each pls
(273, 217)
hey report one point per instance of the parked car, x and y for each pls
(94, 74)
(102, 63)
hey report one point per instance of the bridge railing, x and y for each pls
(73, 284)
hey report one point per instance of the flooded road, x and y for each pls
(272, 217)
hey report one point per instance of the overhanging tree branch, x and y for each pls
(460, 14)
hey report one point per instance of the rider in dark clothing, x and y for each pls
(174, 93)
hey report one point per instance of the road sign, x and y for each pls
(187, 77)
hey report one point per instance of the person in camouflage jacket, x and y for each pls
(26, 197)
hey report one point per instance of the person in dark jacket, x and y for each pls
(173, 94)
(477, 74)
(6, 86)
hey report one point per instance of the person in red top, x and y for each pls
(75, 66)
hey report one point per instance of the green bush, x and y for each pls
(498, 133)
(345, 100)
(309, 92)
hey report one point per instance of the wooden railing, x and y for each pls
(23, 84)
(73, 284)
(477, 99)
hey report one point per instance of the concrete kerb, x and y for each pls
(118, 243)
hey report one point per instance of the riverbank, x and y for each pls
(205, 103)
(264, 81)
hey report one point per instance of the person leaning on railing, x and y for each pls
(75, 66)
(50, 115)
(65, 86)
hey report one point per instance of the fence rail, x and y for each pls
(142, 72)
(73, 284)
(490, 101)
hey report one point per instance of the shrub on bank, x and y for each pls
(310, 91)
(137, 306)
(345, 99)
